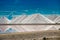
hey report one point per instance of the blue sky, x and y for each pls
(29, 6)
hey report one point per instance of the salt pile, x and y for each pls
(36, 18)
(29, 19)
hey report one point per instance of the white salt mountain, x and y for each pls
(36, 18)
(55, 18)
(18, 19)
(4, 20)
(52, 17)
